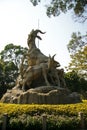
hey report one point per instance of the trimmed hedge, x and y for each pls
(59, 117)
(19, 109)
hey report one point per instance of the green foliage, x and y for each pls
(62, 122)
(8, 74)
(72, 81)
(56, 7)
(1, 122)
(75, 82)
(79, 62)
(25, 122)
(10, 60)
(13, 53)
(78, 50)
(77, 42)
(3, 86)
(35, 2)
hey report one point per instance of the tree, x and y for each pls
(13, 53)
(78, 50)
(77, 42)
(75, 83)
(8, 74)
(56, 7)
(3, 87)
(10, 71)
(10, 62)
(1, 73)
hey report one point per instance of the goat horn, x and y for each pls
(53, 56)
(39, 31)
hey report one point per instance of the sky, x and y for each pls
(19, 17)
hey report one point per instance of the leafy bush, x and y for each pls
(1, 121)
(75, 82)
(62, 122)
(26, 122)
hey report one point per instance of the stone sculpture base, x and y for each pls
(41, 95)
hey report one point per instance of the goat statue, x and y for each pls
(40, 69)
(36, 72)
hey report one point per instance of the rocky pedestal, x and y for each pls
(41, 95)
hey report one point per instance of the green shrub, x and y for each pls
(1, 119)
(61, 123)
(15, 124)
(26, 122)
(34, 123)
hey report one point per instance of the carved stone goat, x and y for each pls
(34, 72)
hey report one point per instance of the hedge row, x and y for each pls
(59, 117)
(26, 122)
(68, 110)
